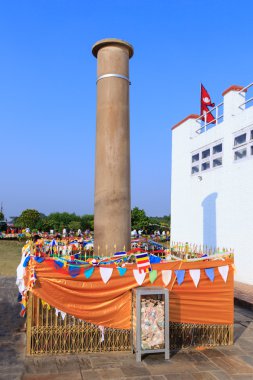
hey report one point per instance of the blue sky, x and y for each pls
(48, 91)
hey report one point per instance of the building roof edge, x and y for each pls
(192, 116)
(234, 87)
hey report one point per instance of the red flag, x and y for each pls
(206, 102)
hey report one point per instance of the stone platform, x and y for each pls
(234, 362)
(244, 295)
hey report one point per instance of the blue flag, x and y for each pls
(74, 271)
(58, 264)
(27, 259)
(180, 276)
(39, 259)
(122, 271)
(210, 273)
(88, 272)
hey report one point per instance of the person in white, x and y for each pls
(134, 233)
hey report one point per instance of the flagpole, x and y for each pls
(201, 105)
(200, 99)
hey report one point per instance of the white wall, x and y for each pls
(217, 210)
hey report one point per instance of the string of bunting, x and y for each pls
(141, 272)
(76, 267)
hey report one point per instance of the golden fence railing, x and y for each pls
(49, 333)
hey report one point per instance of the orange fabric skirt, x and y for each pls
(109, 304)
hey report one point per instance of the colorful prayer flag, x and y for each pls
(143, 263)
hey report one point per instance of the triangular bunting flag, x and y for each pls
(88, 273)
(139, 277)
(224, 272)
(154, 259)
(166, 276)
(210, 273)
(153, 276)
(180, 276)
(106, 274)
(26, 261)
(74, 271)
(39, 259)
(195, 275)
(58, 264)
(122, 271)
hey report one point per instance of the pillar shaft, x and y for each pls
(112, 223)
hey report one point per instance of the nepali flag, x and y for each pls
(205, 102)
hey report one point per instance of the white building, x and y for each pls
(212, 180)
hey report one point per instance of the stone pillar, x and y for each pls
(112, 223)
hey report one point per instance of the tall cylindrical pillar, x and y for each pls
(112, 223)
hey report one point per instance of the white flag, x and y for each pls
(106, 274)
(195, 275)
(166, 276)
(224, 272)
(139, 277)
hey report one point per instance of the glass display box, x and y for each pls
(150, 321)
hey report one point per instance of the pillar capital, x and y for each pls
(112, 42)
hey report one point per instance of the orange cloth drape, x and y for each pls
(110, 304)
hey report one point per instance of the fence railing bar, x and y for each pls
(245, 88)
(201, 116)
(246, 101)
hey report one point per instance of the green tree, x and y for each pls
(43, 225)
(160, 220)
(74, 225)
(58, 220)
(28, 218)
(1, 215)
(87, 222)
(139, 219)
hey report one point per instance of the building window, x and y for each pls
(217, 149)
(207, 157)
(241, 139)
(240, 153)
(195, 157)
(206, 153)
(217, 162)
(195, 169)
(205, 165)
(243, 148)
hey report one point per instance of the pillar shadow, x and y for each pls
(209, 220)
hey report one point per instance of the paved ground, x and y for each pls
(244, 295)
(222, 363)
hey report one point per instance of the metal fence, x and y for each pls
(48, 333)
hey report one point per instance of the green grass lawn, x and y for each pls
(10, 256)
